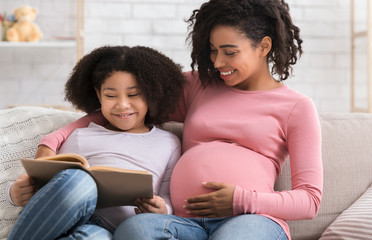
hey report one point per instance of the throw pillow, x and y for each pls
(354, 223)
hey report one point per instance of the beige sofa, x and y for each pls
(347, 158)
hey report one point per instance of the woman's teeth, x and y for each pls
(227, 73)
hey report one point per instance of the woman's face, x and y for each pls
(240, 63)
(122, 103)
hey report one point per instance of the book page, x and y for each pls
(115, 169)
(68, 157)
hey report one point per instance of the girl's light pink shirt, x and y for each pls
(243, 138)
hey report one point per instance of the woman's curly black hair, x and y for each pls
(255, 19)
(158, 77)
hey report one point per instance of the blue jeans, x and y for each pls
(156, 226)
(61, 210)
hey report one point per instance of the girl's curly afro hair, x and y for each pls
(158, 77)
(255, 19)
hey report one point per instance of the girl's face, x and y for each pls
(241, 65)
(122, 103)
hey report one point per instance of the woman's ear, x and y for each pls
(98, 92)
(265, 46)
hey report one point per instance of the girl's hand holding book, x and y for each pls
(22, 190)
(151, 205)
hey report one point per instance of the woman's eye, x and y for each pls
(134, 95)
(109, 96)
(230, 53)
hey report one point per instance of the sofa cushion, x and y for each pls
(21, 129)
(355, 222)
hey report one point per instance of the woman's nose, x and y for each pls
(218, 61)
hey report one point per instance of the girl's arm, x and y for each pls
(54, 140)
(43, 151)
(304, 147)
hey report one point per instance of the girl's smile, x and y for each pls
(125, 115)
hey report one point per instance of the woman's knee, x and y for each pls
(159, 226)
(143, 226)
(249, 226)
(88, 231)
(133, 224)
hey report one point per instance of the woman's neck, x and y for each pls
(258, 83)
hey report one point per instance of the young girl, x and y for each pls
(240, 125)
(134, 89)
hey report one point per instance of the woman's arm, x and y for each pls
(55, 139)
(190, 91)
(304, 147)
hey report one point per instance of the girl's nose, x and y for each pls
(123, 103)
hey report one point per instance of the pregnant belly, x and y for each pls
(218, 162)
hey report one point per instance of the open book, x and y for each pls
(116, 186)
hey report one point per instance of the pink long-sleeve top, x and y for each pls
(243, 138)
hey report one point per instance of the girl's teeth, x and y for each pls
(226, 73)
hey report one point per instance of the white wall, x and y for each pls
(37, 75)
(323, 73)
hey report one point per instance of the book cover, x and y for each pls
(116, 186)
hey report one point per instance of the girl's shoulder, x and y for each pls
(162, 131)
(164, 136)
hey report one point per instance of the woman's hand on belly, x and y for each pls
(218, 203)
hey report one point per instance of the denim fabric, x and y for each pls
(61, 209)
(156, 226)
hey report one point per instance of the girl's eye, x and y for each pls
(109, 96)
(133, 95)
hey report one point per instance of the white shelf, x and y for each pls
(41, 44)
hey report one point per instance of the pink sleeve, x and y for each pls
(189, 91)
(304, 147)
(55, 139)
